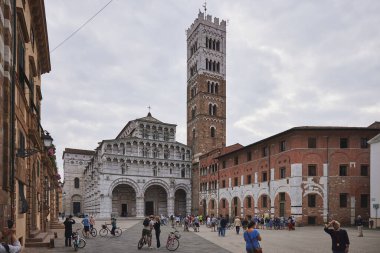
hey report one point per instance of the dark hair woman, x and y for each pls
(252, 238)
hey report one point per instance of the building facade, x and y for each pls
(311, 173)
(28, 173)
(74, 165)
(375, 175)
(143, 171)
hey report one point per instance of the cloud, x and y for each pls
(289, 63)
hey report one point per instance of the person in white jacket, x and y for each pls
(13, 245)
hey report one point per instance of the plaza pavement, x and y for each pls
(305, 239)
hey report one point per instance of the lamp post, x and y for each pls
(24, 152)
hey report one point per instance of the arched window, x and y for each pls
(193, 133)
(214, 110)
(206, 41)
(212, 88)
(216, 88)
(210, 109)
(76, 182)
(206, 64)
(217, 46)
(217, 67)
(214, 66)
(209, 65)
(193, 112)
(208, 87)
(183, 173)
(212, 130)
(213, 45)
(210, 43)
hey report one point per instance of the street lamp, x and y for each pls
(23, 152)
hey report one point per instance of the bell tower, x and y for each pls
(206, 85)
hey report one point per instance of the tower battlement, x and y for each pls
(207, 20)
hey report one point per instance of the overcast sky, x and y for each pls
(289, 63)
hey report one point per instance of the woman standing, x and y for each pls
(252, 238)
(157, 228)
(237, 223)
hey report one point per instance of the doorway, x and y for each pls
(76, 208)
(149, 208)
(124, 210)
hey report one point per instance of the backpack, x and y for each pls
(146, 222)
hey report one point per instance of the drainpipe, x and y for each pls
(12, 115)
(327, 178)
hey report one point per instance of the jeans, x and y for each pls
(237, 229)
(219, 231)
(223, 231)
(158, 238)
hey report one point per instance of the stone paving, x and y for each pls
(305, 239)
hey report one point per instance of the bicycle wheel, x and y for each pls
(118, 232)
(81, 243)
(141, 243)
(172, 244)
(93, 232)
(103, 232)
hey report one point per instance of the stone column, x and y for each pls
(188, 206)
(295, 183)
(140, 207)
(171, 205)
(105, 207)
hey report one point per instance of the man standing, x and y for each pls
(339, 237)
(359, 224)
(223, 225)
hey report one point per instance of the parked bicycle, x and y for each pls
(172, 243)
(104, 231)
(92, 231)
(230, 225)
(77, 241)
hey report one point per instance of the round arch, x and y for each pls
(127, 181)
(158, 182)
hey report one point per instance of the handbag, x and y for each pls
(255, 250)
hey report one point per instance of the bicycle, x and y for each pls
(230, 226)
(172, 243)
(143, 240)
(92, 231)
(104, 231)
(78, 242)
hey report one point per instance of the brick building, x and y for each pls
(28, 174)
(309, 172)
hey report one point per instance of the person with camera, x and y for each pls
(339, 237)
(12, 245)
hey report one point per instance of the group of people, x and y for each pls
(149, 224)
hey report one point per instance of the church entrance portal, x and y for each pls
(156, 202)
(124, 201)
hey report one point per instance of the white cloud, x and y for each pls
(289, 63)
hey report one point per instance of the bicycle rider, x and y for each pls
(86, 224)
(92, 222)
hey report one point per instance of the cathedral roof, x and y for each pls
(149, 118)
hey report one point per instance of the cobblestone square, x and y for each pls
(305, 239)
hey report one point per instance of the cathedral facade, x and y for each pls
(143, 171)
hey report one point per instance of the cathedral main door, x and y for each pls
(149, 208)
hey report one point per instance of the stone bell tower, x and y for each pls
(206, 85)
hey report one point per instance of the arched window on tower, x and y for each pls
(208, 87)
(183, 174)
(193, 134)
(217, 46)
(206, 41)
(212, 132)
(214, 66)
(210, 43)
(76, 182)
(216, 88)
(193, 112)
(210, 109)
(206, 64)
(209, 65)
(214, 110)
(213, 44)
(218, 67)
(212, 87)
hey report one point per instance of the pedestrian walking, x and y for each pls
(359, 224)
(223, 225)
(339, 237)
(252, 238)
(237, 223)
